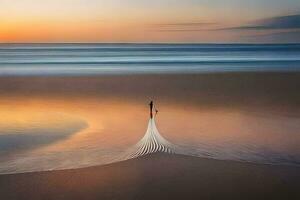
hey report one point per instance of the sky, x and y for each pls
(207, 21)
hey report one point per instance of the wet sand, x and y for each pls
(275, 91)
(158, 176)
(163, 176)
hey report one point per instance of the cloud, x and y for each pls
(282, 36)
(182, 26)
(274, 23)
(290, 22)
(187, 24)
(180, 30)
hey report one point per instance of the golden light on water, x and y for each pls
(111, 123)
(76, 131)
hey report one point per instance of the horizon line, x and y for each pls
(218, 43)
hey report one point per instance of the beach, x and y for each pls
(63, 122)
(240, 138)
(158, 176)
(238, 130)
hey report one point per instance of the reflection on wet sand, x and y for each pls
(98, 128)
(24, 127)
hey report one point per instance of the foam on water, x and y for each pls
(152, 142)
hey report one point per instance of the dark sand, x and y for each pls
(272, 91)
(158, 176)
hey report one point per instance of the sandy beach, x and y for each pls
(61, 122)
(270, 115)
(158, 176)
(269, 90)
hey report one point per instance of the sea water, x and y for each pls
(86, 59)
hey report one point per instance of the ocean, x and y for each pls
(87, 59)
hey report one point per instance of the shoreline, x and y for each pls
(146, 155)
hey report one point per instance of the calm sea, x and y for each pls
(85, 59)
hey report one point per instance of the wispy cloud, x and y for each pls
(281, 36)
(187, 24)
(182, 26)
(281, 22)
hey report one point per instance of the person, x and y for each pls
(151, 109)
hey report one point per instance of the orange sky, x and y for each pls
(131, 20)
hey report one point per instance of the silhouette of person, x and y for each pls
(151, 109)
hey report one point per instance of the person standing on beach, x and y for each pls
(151, 109)
(151, 104)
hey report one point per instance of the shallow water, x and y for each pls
(39, 133)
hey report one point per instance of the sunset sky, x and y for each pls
(150, 21)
